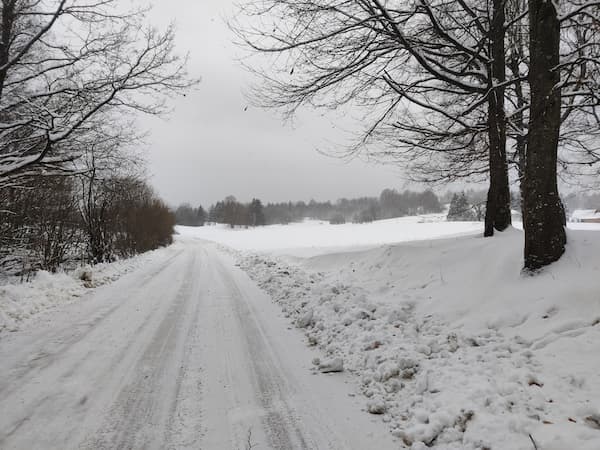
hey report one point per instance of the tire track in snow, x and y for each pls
(194, 358)
(80, 380)
(279, 419)
(147, 405)
(59, 342)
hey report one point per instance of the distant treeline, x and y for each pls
(391, 203)
(228, 211)
(582, 201)
(464, 205)
(189, 216)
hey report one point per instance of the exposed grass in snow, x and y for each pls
(448, 341)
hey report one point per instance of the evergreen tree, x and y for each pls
(200, 216)
(230, 211)
(186, 215)
(216, 213)
(460, 209)
(256, 213)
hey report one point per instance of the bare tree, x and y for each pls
(543, 216)
(579, 149)
(40, 227)
(431, 72)
(65, 63)
(575, 75)
(122, 216)
(579, 145)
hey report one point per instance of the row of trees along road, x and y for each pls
(72, 72)
(450, 89)
(51, 225)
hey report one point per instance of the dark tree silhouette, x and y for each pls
(543, 214)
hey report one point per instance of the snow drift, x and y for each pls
(22, 302)
(450, 343)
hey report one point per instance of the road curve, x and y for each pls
(185, 353)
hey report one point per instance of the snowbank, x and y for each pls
(21, 302)
(451, 344)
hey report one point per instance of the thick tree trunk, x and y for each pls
(497, 214)
(545, 236)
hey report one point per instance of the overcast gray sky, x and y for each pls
(210, 147)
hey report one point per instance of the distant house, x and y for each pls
(586, 216)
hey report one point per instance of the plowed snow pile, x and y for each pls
(22, 302)
(450, 343)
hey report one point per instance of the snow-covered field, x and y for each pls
(313, 237)
(448, 341)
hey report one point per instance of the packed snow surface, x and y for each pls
(184, 352)
(450, 344)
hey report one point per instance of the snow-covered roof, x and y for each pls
(586, 214)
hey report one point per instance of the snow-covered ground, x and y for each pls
(313, 237)
(23, 302)
(185, 352)
(443, 342)
(447, 340)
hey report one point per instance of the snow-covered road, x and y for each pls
(184, 353)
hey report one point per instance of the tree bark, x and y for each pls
(545, 236)
(7, 17)
(497, 214)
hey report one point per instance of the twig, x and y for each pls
(533, 442)
(249, 444)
